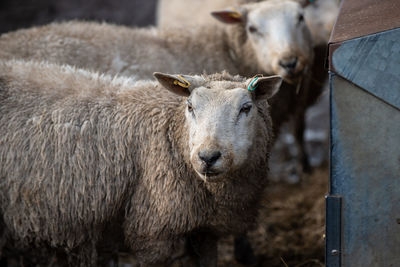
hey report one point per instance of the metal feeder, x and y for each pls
(363, 205)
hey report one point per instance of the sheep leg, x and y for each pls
(203, 248)
(300, 126)
(243, 251)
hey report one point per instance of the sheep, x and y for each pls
(88, 160)
(320, 15)
(244, 49)
(252, 43)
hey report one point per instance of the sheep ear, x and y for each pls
(179, 84)
(264, 87)
(228, 16)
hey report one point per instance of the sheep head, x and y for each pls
(279, 37)
(222, 118)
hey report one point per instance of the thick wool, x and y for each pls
(88, 160)
(134, 52)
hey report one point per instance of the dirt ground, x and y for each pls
(291, 225)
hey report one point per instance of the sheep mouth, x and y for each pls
(293, 77)
(210, 176)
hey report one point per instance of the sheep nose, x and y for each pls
(289, 64)
(209, 157)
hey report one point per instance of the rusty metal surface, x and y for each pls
(365, 172)
(363, 17)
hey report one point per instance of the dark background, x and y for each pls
(16, 14)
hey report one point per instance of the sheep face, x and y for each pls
(221, 129)
(278, 35)
(221, 118)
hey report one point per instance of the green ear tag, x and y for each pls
(250, 87)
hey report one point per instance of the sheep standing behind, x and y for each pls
(267, 37)
(88, 160)
(320, 15)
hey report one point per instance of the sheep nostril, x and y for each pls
(289, 64)
(209, 157)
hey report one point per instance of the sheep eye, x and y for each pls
(252, 29)
(246, 108)
(301, 18)
(189, 107)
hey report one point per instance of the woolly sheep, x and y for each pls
(87, 160)
(320, 15)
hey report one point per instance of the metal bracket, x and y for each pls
(333, 252)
